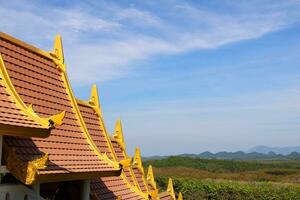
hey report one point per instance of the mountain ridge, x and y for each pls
(278, 150)
(264, 153)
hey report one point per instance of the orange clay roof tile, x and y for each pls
(105, 187)
(120, 156)
(139, 177)
(11, 116)
(165, 196)
(95, 129)
(108, 188)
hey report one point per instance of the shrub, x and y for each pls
(229, 190)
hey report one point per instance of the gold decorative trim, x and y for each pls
(180, 196)
(125, 163)
(118, 135)
(28, 110)
(94, 103)
(25, 45)
(78, 115)
(58, 51)
(22, 170)
(58, 119)
(150, 177)
(135, 182)
(151, 181)
(94, 100)
(154, 194)
(137, 161)
(170, 189)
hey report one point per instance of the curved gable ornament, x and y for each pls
(49, 122)
(24, 171)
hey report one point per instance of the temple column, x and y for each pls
(36, 190)
(85, 192)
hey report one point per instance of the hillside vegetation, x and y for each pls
(214, 165)
(194, 189)
(230, 179)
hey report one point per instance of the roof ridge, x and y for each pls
(26, 45)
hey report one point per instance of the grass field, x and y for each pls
(227, 179)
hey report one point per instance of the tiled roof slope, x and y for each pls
(104, 188)
(138, 171)
(108, 188)
(96, 128)
(165, 196)
(40, 80)
(120, 151)
(120, 156)
(13, 121)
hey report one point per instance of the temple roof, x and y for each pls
(39, 79)
(15, 121)
(50, 136)
(138, 171)
(106, 187)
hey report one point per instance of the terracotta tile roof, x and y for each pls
(165, 196)
(78, 148)
(138, 171)
(95, 128)
(120, 156)
(38, 81)
(12, 117)
(111, 188)
(140, 179)
(105, 187)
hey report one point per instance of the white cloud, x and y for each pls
(139, 18)
(101, 48)
(79, 20)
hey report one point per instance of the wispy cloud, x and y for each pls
(103, 47)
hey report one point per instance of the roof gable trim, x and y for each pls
(47, 123)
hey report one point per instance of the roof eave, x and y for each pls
(46, 178)
(13, 130)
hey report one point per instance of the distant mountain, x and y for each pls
(276, 150)
(238, 155)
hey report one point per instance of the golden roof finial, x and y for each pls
(118, 135)
(180, 196)
(137, 161)
(58, 54)
(58, 48)
(171, 188)
(150, 177)
(94, 100)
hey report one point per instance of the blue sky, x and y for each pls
(184, 76)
